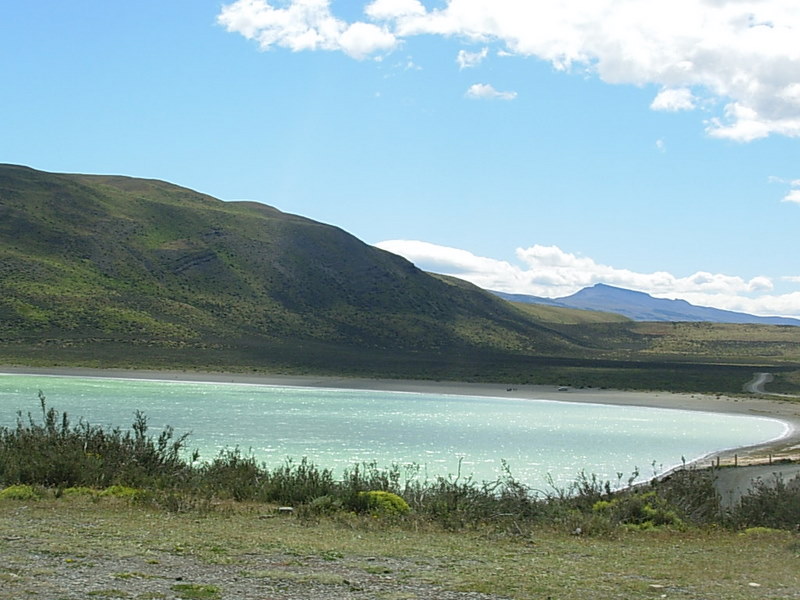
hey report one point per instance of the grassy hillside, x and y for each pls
(114, 271)
(124, 262)
(568, 316)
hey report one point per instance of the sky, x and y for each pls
(527, 146)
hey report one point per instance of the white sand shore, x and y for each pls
(787, 411)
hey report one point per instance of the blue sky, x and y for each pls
(532, 147)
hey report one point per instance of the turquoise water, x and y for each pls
(338, 428)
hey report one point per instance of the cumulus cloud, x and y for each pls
(304, 25)
(484, 91)
(394, 9)
(742, 55)
(468, 60)
(674, 100)
(549, 271)
(363, 39)
(793, 195)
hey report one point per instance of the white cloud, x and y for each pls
(468, 60)
(484, 91)
(741, 55)
(661, 146)
(550, 272)
(674, 100)
(304, 25)
(362, 39)
(793, 196)
(393, 9)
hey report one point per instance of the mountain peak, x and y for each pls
(641, 306)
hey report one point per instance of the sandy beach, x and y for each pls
(785, 410)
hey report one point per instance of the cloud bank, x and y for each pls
(550, 272)
(737, 59)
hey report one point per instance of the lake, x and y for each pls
(338, 428)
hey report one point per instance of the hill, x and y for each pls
(129, 265)
(639, 306)
(108, 271)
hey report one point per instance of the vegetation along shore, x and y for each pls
(87, 512)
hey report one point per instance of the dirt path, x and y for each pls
(757, 383)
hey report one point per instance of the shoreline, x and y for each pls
(786, 447)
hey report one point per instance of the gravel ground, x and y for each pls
(68, 551)
(30, 573)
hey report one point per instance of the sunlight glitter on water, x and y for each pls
(338, 428)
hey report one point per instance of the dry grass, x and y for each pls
(43, 541)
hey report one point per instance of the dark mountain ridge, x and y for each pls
(117, 260)
(643, 307)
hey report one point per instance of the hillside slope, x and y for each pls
(100, 261)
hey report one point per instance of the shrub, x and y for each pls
(21, 492)
(56, 453)
(233, 475)
(692, 493)
(324, 505)
(298, 483)
(121, 491)
(385, 503)
(638, 510)
(774, 504)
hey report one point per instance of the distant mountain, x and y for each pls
(643, 307)
(101, 267)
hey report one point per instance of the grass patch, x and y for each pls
(196, 591)
(710, 563)
(109, 593)
(21, 492)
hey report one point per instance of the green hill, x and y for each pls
(119, 272)
(102, 267)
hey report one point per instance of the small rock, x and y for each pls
(754, 585)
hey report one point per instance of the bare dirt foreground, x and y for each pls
(73, 549)
(77, 548)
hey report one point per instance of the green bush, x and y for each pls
(385, 503)
(233, 475)
(638, 510)
(774, 504)
(692, 493)
(298, 483)
(21, 492)
(55, 453)
(121, 491)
